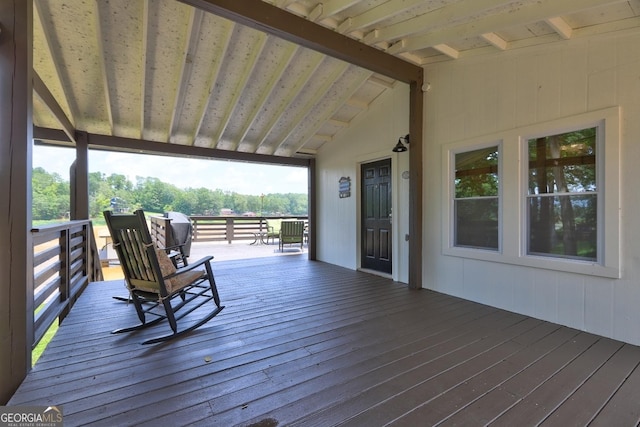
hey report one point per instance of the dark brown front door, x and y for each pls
(376, 216)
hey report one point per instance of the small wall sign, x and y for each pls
(345, 187)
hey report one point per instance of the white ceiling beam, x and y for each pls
(533, 12)
(361, 105)
(320, 93)
(296, 29)
(213, 77)
(434, 19)
(345, 26)
(42, 91)
(387, 84)
(290, 96)
(311, 132)
(561, 27)
(496, 40)
(319, 137)
(338, 123)
(308, 151)
(338, 70)
(143, 62)
(37, 11)
(269, 88)
(103, 66)
(377, 14)
(447, 50)
(252, 61)
(329, 8)
(283, 4)
(190, 49)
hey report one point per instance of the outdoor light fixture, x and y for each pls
(400, 147)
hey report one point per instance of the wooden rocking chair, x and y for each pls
(158, 289)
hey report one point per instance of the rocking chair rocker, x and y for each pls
(154, 282)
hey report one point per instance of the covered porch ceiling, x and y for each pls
(169, 71)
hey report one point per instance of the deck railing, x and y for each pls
(65, 260)
(221, 228)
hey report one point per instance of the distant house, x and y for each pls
(226, 212)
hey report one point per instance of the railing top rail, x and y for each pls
(246, 217)
(59, 226)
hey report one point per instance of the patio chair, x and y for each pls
(291, 232)
(272, 233)
(157, 288)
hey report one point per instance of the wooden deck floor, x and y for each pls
(311, 344)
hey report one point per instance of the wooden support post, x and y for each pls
(80, 179)
(416, 117)
(16, 129)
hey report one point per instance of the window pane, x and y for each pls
(477, 173)
(564, 226)
(476, 222)
(563, 163)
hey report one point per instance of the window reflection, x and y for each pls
(563, 198)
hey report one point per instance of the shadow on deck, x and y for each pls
(308, 343)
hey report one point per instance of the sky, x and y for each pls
(239, 177)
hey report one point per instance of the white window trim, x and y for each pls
(513, 172)
(450, 161)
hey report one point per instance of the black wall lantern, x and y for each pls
(400, 147)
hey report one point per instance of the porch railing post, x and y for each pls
(230, 230)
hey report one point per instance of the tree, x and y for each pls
(50, 195)
(153, 195)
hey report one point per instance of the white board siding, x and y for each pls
(472, 97)
(371, 137)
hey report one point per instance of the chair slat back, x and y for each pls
(134, 246)
(292, 231)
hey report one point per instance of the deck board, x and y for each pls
(312, 344)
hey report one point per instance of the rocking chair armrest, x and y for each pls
(190, 267)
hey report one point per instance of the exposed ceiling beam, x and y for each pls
(313, 65)
(338, 123)
(273, 20)
(46, 31)
(141, 146)
(337, 71)
(319, 137)
(252, 60)
(143, 63)
(269, 88)
(434, 19)
(387, 84)
(329, 8)
(213, 77)
(524, 15)
(561, 27)
(195, 24)
(42, 91)
(377, 14)
(344, 95)
(357, 104)
(447, 50)
(496, 40)
(103, 66)
(308, 151)
(283, 3)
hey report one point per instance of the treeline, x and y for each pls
(51, 197)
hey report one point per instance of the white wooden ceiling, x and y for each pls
(164, 71)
